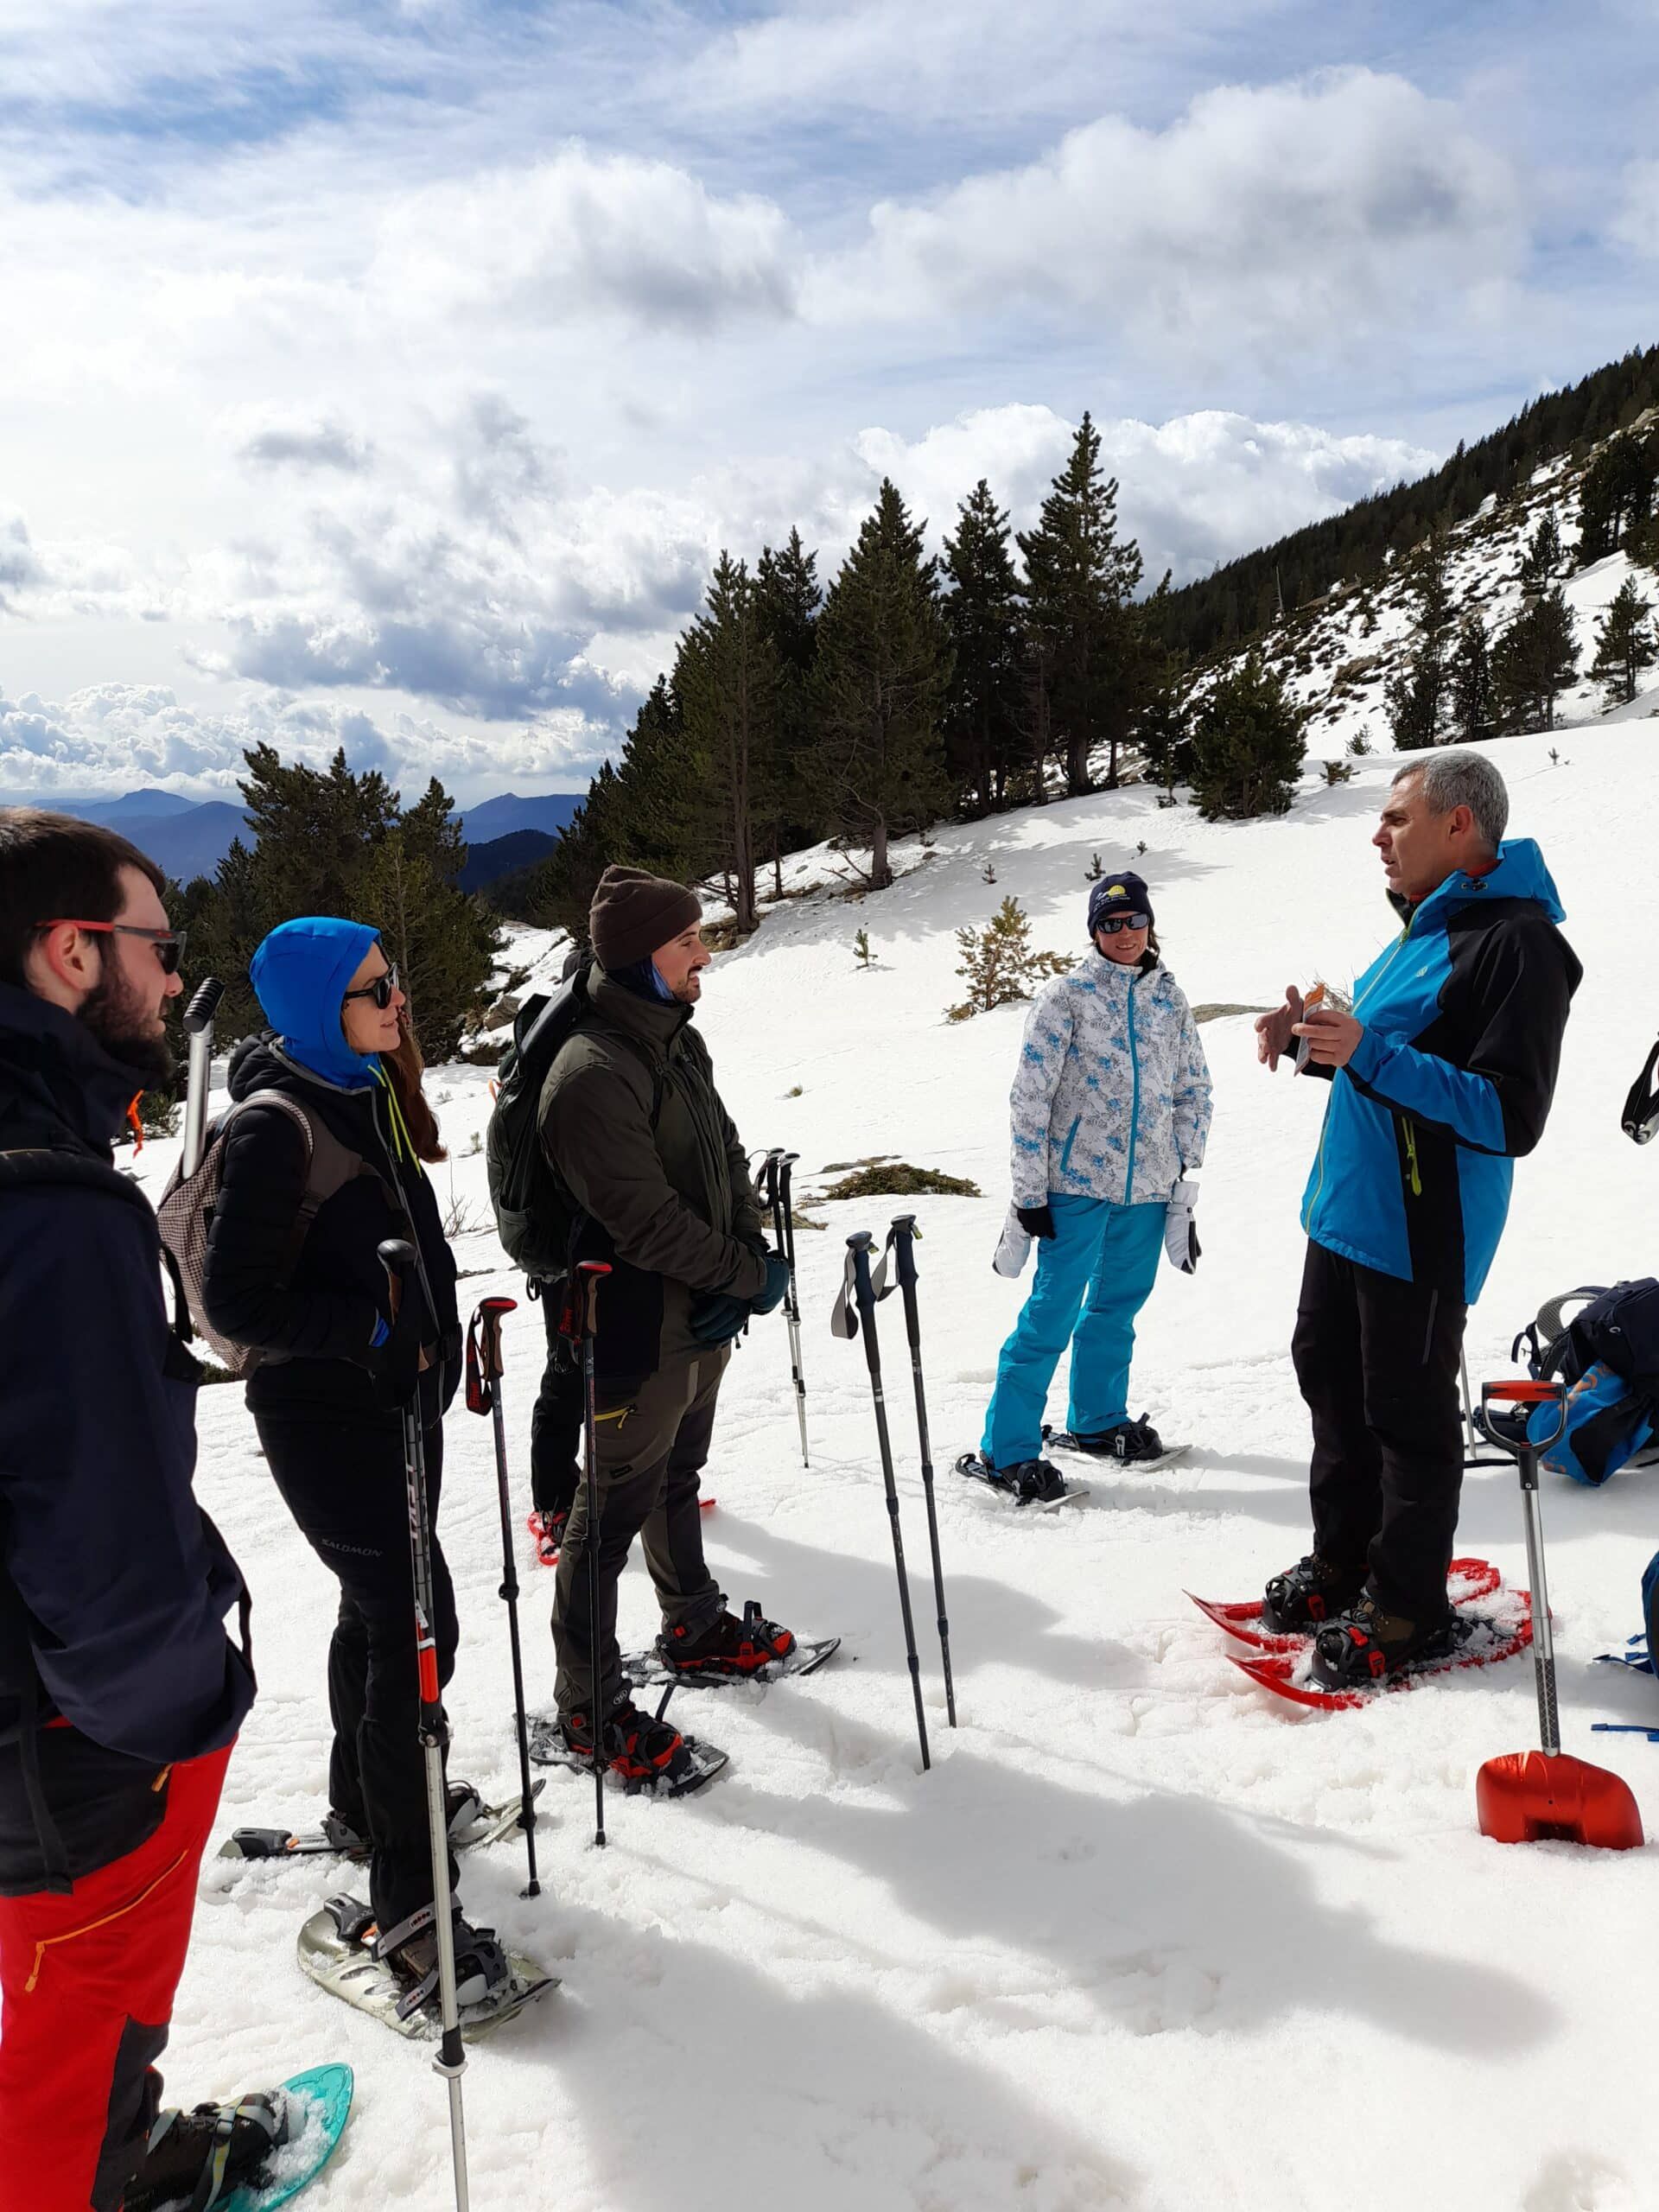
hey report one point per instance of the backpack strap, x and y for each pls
(1640, 1119)
(329, 1166)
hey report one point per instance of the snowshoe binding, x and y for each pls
(1363, 1645)
(1308, 1595)
(644, 1754)
(340, 1949)
(728, 1646)
(1033, 1482)
(198, 2157)
(471, 1823)
(410, 1949)
(1131, 1443)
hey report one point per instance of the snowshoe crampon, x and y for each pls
(1033, 1484)
(336, 1948)
(1497, 1626)
(1468, 1579)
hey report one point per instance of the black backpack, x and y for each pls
(536, 1217)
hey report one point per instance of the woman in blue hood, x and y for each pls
(302, 1281)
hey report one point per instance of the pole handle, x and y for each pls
(203, 1005)
(903, 1235)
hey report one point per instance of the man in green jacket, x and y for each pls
(646, 1152)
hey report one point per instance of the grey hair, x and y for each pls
(1458, 779)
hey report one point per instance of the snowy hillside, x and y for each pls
(1337, 653)
(1142, 1938)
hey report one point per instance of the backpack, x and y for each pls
(185, 1215)
(536, 1217)
(1608, 1354)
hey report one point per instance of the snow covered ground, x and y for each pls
(1143, 1937)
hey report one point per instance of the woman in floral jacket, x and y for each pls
(1111, 1108)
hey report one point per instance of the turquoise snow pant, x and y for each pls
(1103, 1258)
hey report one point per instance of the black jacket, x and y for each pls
(115, 1588)
(320, 1321)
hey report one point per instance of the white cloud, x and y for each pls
(288, 441)
(1307, 214)
(111, 738)
(1636, 222)
(581, 232)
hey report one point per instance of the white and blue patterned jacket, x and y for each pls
(1111, 1098)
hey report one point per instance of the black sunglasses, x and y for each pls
(1125, 922)
(168, 943)
(379, 990)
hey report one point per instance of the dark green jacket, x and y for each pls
(675, 1204)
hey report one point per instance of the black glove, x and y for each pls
(1036, 1221)
(776, 1285)
(397, 1361)
(717, 1316)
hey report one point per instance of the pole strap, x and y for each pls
(1640, 1119)
(481, 1386)
(843, 1322)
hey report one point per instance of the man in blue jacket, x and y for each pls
(1440, 1076)
(121, 1691)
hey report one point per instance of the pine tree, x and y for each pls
(1616, 496)
(1474, 709)
(1000, 964)
(788, 599)
(1084, 648)
(331, 842)
(1533, 661)
(1248, 745)
(877, 687)
(1624, 644)
(982, 615)
(1416, 698)
(726, 680)
(1543, 555)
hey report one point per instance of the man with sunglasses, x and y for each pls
(121, 1689)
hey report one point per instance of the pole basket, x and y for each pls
(1532, 1797)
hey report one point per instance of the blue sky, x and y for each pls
(392, 375)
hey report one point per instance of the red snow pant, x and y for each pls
(87, 1982)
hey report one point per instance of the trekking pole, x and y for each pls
(902, 1237)
(395, 1254)
(782, 1222)
(859, 1248)
(199, 1028)
(484, 1372)
(591, 1273)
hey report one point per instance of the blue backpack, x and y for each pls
(1608, 1354)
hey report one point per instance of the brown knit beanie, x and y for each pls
(633, 912)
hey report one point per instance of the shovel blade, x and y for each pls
(1535, 1797)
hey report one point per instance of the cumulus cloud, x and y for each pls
(1305, 214)
(585, 232)
(305, 443)
(109, 738)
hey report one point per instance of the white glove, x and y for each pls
(1014, 1247)
(1180, 1236)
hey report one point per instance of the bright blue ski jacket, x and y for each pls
(1451, 1081)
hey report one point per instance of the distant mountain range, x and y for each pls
(189, 837)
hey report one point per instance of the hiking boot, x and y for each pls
(1130, 1440)
(728, 1646)
(1364, 1644)
(547, 1531)
(203, 2157)
(1306, 1595)
(638, 1749)
(410, 1950)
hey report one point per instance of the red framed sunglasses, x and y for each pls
(168, 943)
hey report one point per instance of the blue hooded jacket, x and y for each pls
(300, 974)
(1451, 1081)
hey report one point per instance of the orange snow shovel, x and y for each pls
(1546, 1796)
